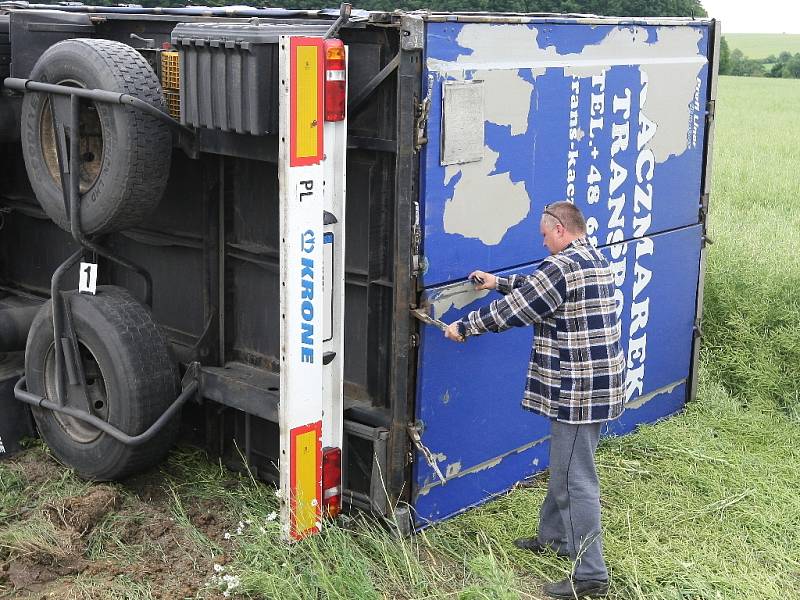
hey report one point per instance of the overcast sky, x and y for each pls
(764, 16)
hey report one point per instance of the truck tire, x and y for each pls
(126, 152)
(131, 380)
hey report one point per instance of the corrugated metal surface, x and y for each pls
(612, 117)
(229, 74)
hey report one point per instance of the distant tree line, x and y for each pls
(785, 65)
(625, 8)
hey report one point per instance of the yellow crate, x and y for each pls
(173, 99)
(171, 82)
(170, 70)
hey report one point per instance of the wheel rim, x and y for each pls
(91, 145)
(96, 393)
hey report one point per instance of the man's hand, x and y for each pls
(452, 333)
(483, 281)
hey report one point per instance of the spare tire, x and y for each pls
(125, 152)
(131, 379)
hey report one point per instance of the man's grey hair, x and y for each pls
(566, 214)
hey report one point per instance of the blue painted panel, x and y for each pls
(468, 395)
(474, 488)
(547, 138)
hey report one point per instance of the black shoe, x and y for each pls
(534, 545)
(572, 589)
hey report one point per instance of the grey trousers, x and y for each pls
(570, 515)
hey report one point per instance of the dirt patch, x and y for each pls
(82, 513)
(36, 466)
(30, 572)
(111, 535)
(207, 516)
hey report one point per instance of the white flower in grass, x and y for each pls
(278, 493)
(272, 516)
(318, 525)
(218, 568)
(227, 583)
(226, 535)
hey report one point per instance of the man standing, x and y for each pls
(575, 377)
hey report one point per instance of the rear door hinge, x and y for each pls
(703, 218)
(416, 243)
(421, 123)
(414, 431)
(711, 110)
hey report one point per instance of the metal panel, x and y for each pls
(471, 392)
(609, 116)
(462, 122)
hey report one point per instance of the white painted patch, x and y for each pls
(455, 296)
(453, 469)
(488, 464)
(642, 400)
(484, 206)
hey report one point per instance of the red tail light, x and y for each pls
(331, 481)
(335, 81)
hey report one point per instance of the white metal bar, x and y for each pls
(301, 258)
(335, 194)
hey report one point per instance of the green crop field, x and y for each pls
(704, 506)
(761, 45)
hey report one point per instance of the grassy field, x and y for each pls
(761, 45)
(704, 506)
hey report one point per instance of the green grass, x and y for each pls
(752, 297)
(761, 45)
(704, 506)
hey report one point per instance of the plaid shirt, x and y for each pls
(576, 370)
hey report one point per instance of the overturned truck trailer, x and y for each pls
(224, 218)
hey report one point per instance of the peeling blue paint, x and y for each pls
(571, 40)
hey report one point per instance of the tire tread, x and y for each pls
(149, 370)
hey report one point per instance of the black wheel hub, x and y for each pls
(94, 401)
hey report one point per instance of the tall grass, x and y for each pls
(753, 279)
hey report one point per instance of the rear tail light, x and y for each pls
(331, 481)
(335, 80)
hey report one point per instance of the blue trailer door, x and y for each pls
(609, 116)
